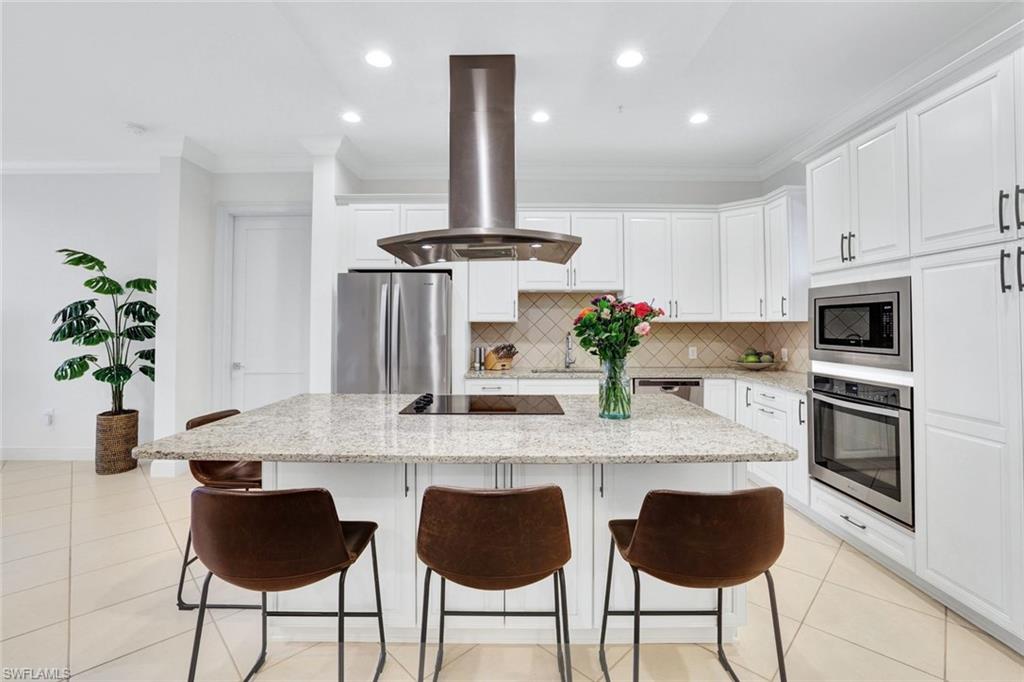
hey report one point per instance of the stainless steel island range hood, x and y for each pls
(482, 176)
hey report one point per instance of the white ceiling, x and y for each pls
(249, 81)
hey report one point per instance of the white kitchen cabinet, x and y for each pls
(880, 213)
(377, 492)
(798, 476)
(619, 491)
(576, 483)
(786, 273)
(720, 397)
(597, 265)
(969, 454)
(742, 236)
(538, 276)
(493, 291)
(962, 163)
(457, 597)
(368, 223)
(492, 386)
(828, 209)
(419, 218)
(649, 259)
(774, 423)
(744, 404)
(559, 386)
(696, 268)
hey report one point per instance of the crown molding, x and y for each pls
(79, 167)
(610, 173)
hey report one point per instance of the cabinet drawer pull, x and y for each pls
(1020, 268)
(842, 247)
(1003, 257)
(1018, 192)
(846, 517)
(849, 246)
(1003, 196)
(490, 388)
(407, 480)
(767, 397)
(760, 307)
(766, 411)
(783, 306)
(748, 396)
(800, 412)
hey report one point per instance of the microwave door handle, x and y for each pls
(861, 407)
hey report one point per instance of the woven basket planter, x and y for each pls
(116, 435)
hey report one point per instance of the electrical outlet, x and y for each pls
(693, 352)
(785, 354)
(48, 417)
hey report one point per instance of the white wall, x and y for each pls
(263, 187)
(793, 174)
(110, 216)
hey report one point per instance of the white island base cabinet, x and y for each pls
(390, 494)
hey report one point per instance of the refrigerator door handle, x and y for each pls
(384, 334)
(395, 342)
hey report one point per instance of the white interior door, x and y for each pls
(270, 310)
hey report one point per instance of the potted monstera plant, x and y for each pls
(130, 319)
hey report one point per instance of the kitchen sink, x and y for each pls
(563, 370)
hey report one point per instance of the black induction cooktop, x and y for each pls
(429, 403)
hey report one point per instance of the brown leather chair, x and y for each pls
(495, 540)
(214, 474)
(699, 540)
(275, 540)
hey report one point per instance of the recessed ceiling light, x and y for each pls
(629, 59)
(533, 258)
(442, 260)
(698, 117)
(540, 117)
(378, 58)
(351, 117)
(535, 246)
(426, 247)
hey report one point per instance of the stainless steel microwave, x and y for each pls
(865, 323)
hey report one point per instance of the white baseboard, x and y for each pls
(82, 454)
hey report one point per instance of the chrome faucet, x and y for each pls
(570, 359)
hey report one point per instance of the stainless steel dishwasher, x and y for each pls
(691, 390)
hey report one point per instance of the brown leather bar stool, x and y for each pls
(276, 540)
(495, 540)
(215, 474)
(699, 540)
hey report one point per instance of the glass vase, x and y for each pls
(614, 396)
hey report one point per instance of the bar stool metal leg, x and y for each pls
(721, 651)
(775, 625)
(636, 625)
(199, 629)
(185, 563)
(604, 620)
(440, 632)
(263, 651)
(558, 631)
(565, 625)
(423, 623)
(380, 611)
(341, 626)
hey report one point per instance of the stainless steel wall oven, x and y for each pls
(866, 323)
(861, 437)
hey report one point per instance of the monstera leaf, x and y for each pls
(72, 368)
(76, 309)
(149, 371)
(114, 374)
(82, 260)
(147, 354)
(140, 311)
(140, 332)
(146, 286)
(73, 327)
(104, 285)
(93, 337)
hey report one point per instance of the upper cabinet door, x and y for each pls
(538, 276)
(779, 305)
(649, 259)
(743, 263)
(962, 163)
(493, 291)
(828, 209)
(597, 264)
(368, 224)
(880, 220)
(419, 218)
(696, 267)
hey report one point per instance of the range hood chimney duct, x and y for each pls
(482, 182)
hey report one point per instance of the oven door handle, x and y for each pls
(862, 407)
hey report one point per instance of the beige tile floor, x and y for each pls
(89, 568)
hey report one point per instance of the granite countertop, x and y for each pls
(790, 381)
(368, 428)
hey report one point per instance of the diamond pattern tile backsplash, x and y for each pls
(544, 320)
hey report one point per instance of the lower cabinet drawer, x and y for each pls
(874, 530)
(492, 386)
(558, 386)
(769, 397)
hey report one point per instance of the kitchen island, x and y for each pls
(377, 463)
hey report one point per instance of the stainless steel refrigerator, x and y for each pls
(393, 333)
